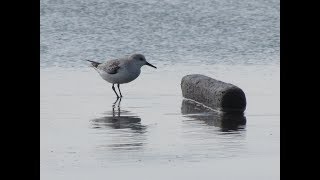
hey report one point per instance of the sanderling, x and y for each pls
(122, 70)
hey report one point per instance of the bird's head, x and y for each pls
(140, 60)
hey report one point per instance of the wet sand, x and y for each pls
(155, 133)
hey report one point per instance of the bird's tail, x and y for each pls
(94, 64)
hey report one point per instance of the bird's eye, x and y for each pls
(141, 59)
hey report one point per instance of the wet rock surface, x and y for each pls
(213, 93)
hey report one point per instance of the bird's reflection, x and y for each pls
(226, 121)
(121, 130)
(119, 119)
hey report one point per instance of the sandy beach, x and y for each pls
(82, 135)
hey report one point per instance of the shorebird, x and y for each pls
(122, 70)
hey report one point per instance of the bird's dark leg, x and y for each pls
(114, 104)
(114, 90)
(119, 107)
(119, 90)
(119, 102)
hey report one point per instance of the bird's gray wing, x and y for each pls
(110, 67)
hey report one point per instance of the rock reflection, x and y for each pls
(226, 121)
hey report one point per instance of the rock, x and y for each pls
(215, 94)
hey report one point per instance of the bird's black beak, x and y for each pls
(150, 65)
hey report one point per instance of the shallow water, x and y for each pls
(155, 133)
(188, 31)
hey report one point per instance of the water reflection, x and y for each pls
(122, 129)
(119, 119)
(226, 121)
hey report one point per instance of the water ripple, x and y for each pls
(226, 32)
